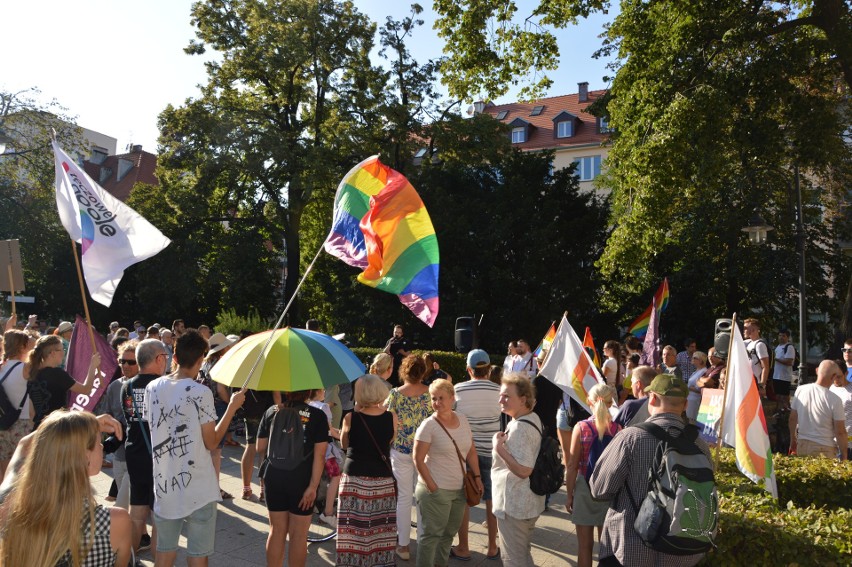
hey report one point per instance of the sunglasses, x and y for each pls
(127, 362)
(846, 350)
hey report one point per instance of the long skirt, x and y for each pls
(366, 521)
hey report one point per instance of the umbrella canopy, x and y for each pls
(296, 359)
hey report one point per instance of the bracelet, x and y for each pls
(476, 476)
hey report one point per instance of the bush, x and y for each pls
(808, 525)
(229, 323)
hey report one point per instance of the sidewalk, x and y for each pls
(242, 528)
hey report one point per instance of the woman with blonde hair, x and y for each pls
(366, 507)
(49, 384)
(589, 437)
(50, 516)
(14, 373)
(382, 366)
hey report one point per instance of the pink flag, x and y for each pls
(651, 348)
(79, 358)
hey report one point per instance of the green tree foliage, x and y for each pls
(28, 202)
(714, 104)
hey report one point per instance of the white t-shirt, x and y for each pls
(479, 401)
(609, 369)
(762, 352)
(845, 395)
(782, 371)
(15, 386)
(511, 495)
(442, 459)
(184, 477)
(818, 409)
(526, 363)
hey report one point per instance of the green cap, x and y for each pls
(668, 385)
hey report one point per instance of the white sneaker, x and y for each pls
(328, 520)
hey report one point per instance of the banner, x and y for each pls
(709, 413)
(570, 367)
(77, 365)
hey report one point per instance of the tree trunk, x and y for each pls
(294, 256)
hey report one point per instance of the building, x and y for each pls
(561, 124)
(117, 174)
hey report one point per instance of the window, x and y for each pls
(519, 135)
(588, 167)
(98, 155)
(603, 125)
(565, 129)
(502, 114)
(421, 152)
(537, 110)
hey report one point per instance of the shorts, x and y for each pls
(200, 532)
(562, 418)
(284, 490)
(141, 475)
(220, 407)
(10, 438)
(485, 474)
(251, 429)
(782, 387)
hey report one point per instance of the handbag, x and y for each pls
(471, 492)
(381, 454)
(8, 413)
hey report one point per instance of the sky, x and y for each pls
(116, 64)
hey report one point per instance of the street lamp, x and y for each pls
(757, 230)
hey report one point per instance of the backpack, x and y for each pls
(752, 354)
(286, 449)
(9, 414)
(548, 471)
(596, 450)
(680, 513)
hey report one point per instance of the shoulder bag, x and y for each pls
(471, 492)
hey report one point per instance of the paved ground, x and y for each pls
(242, 529)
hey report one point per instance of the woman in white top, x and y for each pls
(611, 368)
(439, 492)
(693, 401)
(516, 506)
(16, 347)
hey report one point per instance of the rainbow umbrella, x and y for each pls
(295, 359)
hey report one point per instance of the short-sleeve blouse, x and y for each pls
(410, 413)
(587, 436)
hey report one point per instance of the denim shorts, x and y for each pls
(562, 419)
(200, 532)
(485, 474)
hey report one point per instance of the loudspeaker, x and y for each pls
(722, 337)
(465, 334)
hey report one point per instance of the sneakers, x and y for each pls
(328, 520)
(403, 553)
(144, 543)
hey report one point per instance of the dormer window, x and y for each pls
(519, 135)
(565, 125)
(603, 125)
(537, 110)
(502, 114)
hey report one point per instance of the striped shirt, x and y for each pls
(479, 402)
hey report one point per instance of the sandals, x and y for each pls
(225, 495)
(247, 494)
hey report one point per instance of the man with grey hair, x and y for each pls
(636, 411)
(669, 362)
(151, 360)
(168, 339)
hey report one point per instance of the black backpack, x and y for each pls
(9, 414)
(287, 439)
(548, 471)
(752, 353)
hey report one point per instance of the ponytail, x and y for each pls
(601, 397)
(35, 359)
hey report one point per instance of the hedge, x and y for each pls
(810, 524)
(453, 363)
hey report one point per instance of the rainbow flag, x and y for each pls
(589, 343)
(744, 426)
(381, 226)
(545, 343)
(639, 327)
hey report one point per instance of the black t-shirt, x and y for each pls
(548, 396)
(135, 444)
(362, 458)
(315, 425)
(49, 391)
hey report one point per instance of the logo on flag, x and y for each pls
(569, 366)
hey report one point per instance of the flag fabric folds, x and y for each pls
(569, 366)
(589, 343)
(79, 358)
(639, 327)
(544, 346)
(112, 235)
(744, 425)
(651, 348)
(381, 226)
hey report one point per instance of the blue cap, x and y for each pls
(478, 358)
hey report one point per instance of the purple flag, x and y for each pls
(79, 358)
(651, 347)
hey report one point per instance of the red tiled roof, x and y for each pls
(142, 171)
(541, 134)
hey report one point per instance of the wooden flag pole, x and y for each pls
(12, 288)
(83, 295)
(725, 391)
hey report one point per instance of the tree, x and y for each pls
(267, 129)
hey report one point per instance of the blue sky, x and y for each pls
(115, 64)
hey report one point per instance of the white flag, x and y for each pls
(744, 426)
(569, 366)
(112, 235)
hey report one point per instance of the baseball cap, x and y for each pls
(478, 358)
(64, 326)
(668, 385)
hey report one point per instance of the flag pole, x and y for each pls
(83, 295)
(12, 288)
(725, 392)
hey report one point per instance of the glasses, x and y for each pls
(845, 350)
(126, 361)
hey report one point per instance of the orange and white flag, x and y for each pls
(569, 366)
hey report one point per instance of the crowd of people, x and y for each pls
(404, 438)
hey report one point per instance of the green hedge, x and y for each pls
(810, 524)
(453, 363)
